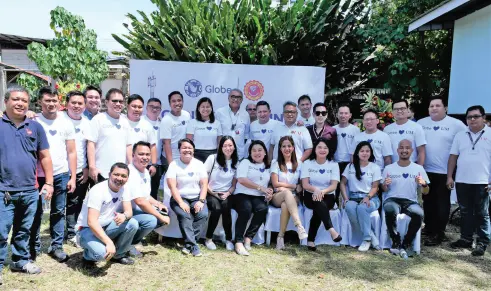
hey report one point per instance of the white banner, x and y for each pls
(274, 84)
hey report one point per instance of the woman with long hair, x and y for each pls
(221, 170)
(285, 177)
(362, 177)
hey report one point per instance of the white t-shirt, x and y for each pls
(300, 135)
(256, 173)
(141, 130)
(264, 132)
(290, 176)
(81, 128)
(187, 177)
(306, 121)
(138, 185)
(220, 179)
(473, 165)
(369, 174)
(102, 198)
(439, 138)
(380, 142)
(58, 131)
(111, 136)
(410, 131)
(240, 122)
(320, 175)
(156, 132)
(174, 128)
(205, 134)
(346, 136)
(404, 180)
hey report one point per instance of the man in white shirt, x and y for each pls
(235, 122)
(92, 96)
(146, 210)
(401, 182)
(262, 129)
(471, 153)
(140, 129)
(154, 108)
(440, 130)
(300, 134)
(81, 125)
(64, 157)
(108, 137)
(404, 128)
(306, 117)
(173, 128)
(105, 224)
(380, 141)
(251, 110)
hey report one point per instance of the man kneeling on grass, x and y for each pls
(106, 231)
(149, 212)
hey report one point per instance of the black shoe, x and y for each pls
(461, 244)
(433, 241)
(313, 249)
(88, 263)
(134, 253)
(59, 255)
(479, 250)
(123, 260)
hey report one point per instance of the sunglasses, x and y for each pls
(117, 101)
(319, 113)
(251, 109)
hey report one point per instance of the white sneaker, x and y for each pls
(403, 254)
(302, 234)
(247, 246)
(375, 241)
(280, 243)
(365, 246)
(210, 244)
(73, 242)
(229, 246)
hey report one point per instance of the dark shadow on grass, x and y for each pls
(76, 264)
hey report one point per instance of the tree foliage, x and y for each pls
(72, 56)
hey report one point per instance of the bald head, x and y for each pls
(405, 149)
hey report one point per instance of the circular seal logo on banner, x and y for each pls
(254, 90)
(193, 88)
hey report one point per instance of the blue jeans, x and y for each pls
(146, 223)
(19, 213)
(56, 216)
(190, 223)
(474, 203)
(359, 215)
(121, 235)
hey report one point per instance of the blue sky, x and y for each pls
(31, 18)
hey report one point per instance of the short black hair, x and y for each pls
(141, 143)
(46, 90)
(113, 91)
(438, 97)
(304, 97)
(174, 93)
(153, 99)
(134, 97)
(399, 101)
(121, 166)
(318, 104)
(70, 94)
(263, 103)
(90, 88)
(198, 114)
(476, 107)
(370, 111)
(179, 144)
(345, 105)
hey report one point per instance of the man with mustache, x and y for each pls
(105, 226)
(22, 146)
(401, 182)
(92, 95)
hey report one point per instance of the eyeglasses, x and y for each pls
(319, 113)
(155, 107)
(401, 109)
(236, 97)
(251, 109)
(473, 117)
(369, 119)
(290, 112)
(117, 101)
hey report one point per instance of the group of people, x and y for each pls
(101, 172)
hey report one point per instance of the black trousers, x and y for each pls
(436, 204)
(321, 213)
(202, 155)
(394, 206)
(246, 206)
(74, 203)
(217, 208)
(155, 180)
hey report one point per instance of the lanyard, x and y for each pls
(234, 124)
(475, 142)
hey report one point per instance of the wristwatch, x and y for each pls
(202, 201)
(258, 188)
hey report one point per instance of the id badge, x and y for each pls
(473, 152)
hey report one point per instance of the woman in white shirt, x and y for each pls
(251, 195)
(285, 177)
(205, 130)
(362, 177)
(221, 170)
(320, 177)
(188, 183)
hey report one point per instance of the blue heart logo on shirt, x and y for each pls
(363, 173)
(322, 171)
(191, 174)
(263, 130)
(401, 131)
(225, 169)
(435, 128)
(405, 175)
(145, 180)
(261, 170)
(369, 140)
(137, 129)
(343, 134)
(118, 126)
(156, 127)
(208, 127)
(77, 130)
(52, 132)
(115, 199)
(183, 122)
(290, 170)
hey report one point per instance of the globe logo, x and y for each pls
(193, 88)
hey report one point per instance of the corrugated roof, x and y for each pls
(19, 41)
(40, 76)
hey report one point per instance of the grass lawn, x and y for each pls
(330, 268)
